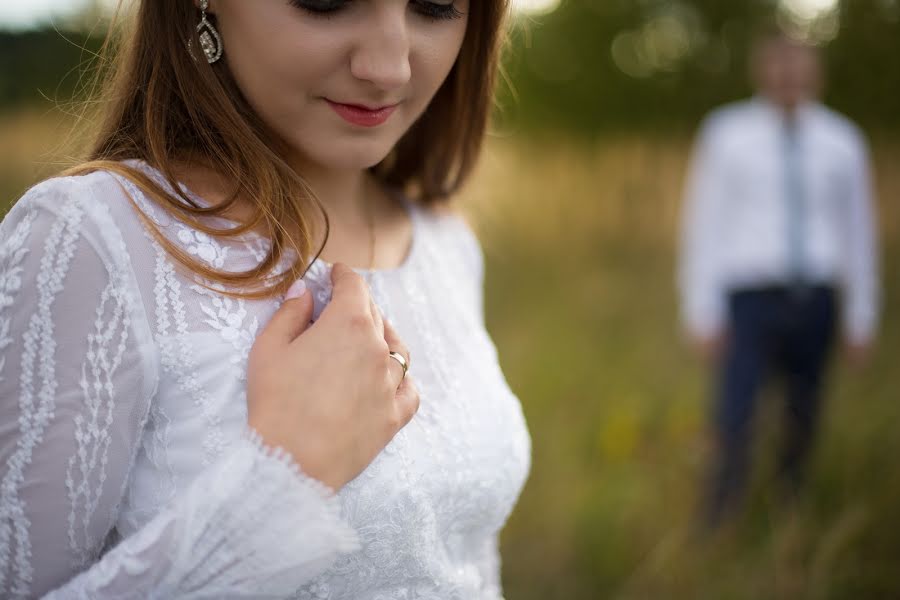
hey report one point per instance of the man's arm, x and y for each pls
(702, 304)
(860, 278)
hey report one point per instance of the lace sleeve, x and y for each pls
(77, 375)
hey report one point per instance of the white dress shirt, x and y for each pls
(127, 469)
(736, 213)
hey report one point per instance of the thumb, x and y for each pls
(291, 319)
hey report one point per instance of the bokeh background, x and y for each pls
(577, 203)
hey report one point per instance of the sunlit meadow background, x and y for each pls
(579, 227)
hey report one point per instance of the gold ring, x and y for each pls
(399, 358)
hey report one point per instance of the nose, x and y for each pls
(382, 54)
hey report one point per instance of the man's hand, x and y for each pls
(858, 354)
(710, 348)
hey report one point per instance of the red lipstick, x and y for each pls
(362, 115)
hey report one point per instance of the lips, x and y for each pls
(362, 116)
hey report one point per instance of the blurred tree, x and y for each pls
(39, 65)
(599, 65)
(595, 65)
(864, 62)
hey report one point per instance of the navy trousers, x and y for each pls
(774, 331)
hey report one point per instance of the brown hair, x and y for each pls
(160, 104)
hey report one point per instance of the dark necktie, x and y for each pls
(795, 209)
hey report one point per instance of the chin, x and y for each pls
(351, 154)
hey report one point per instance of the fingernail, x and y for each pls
(297, 289)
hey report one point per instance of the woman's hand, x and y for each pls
(328, 393)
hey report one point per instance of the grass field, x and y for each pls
(580, 301)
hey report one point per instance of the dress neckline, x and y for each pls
(318, 264)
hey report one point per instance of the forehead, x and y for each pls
(782, 48)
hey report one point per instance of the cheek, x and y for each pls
(435, 56)
(278, 61)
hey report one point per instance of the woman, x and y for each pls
(191, 404)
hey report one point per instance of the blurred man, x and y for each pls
(778, 240)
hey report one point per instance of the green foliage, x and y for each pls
(562, 68)
(565, 77)
(42, 67)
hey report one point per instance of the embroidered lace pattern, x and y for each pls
(127, 469)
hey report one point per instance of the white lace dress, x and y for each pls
(126, 466)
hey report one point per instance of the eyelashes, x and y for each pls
(431, 10)
(437, 11)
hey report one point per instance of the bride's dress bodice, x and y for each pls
(128, 469)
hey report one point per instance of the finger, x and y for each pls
(377, 317)
(394, 341)
(407, 400)
(349, 290)
(291, 319)
(395, 344)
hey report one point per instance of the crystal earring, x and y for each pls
(210, 40)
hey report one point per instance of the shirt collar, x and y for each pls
(803, 114)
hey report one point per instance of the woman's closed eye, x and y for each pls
(437, 11)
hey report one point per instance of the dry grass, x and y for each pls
(579, 241)
(581, 302)
(32, 146)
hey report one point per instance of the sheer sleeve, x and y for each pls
(77, 375)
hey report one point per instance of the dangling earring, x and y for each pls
(210, 40)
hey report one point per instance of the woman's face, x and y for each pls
(311, 68)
